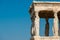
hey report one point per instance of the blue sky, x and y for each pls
(14, 19)
(15, 23)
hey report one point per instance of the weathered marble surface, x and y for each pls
(35, 8)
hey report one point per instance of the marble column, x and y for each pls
(55, 24)
(35, 24)
(47, 28)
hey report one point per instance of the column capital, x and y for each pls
(55, 11)
(37, 14)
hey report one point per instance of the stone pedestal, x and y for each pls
(45, 38)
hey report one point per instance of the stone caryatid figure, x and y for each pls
(32, 26)
(35, 24)
(47, 27)
(59, 22)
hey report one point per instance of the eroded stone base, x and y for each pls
(45, 38)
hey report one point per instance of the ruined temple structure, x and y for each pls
(40, 9)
